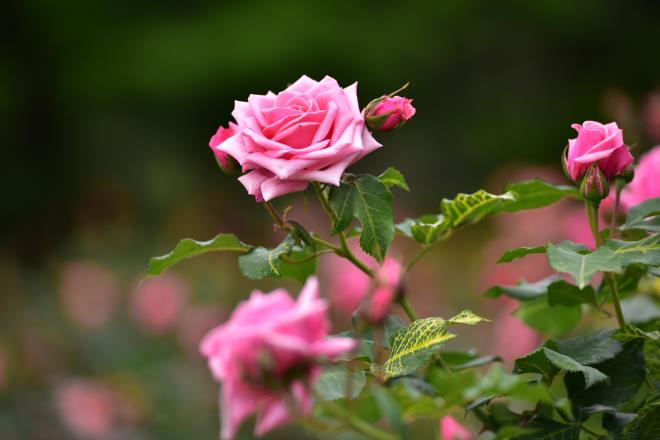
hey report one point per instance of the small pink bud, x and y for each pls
(387, 113)
(450, 429)
(227, 163)
(594, 186)
(387, 287)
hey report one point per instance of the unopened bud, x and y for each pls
(387, 113)
(594, 185)
(226, 163)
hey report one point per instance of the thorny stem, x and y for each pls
(276, 216)
(592, 215)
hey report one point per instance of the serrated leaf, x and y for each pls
(496, 382)
(390, 410)
(393, 177)
(514, 254)
(562, 293)
(189, 248)
(591, 348)
(299, 266)
(469, 208)
(341, 199)
(336, 380)
(626, 372)
(563, 258)
(262, 263)
(536, 193)
(645, 216)
(413, 345)
(630, 332)
(373, 208)
(426, 229)
(549, 362)
(644, 251)
(549, 320)
(523, 291)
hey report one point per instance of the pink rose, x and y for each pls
(390, 113)
(224, 160)
(387, 283)
(646, 184)
(312, 131)
(450, 429)
(267, 355)
(597, 143)
(158, 303)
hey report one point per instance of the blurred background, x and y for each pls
(106, 110)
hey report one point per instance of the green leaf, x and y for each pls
(514, 254)
(644, 251)
(645, 216)
(470, 208)
(390, 410)
(536, 193)
(300, 265)
(626, 282)
(373, 208)
(630, 332)
(496, 382)
(549, 362)
(341, 199)
(563, 258)
(523, 291)
(417, 398)
(426, 229)
(640, 309)
(591, 348)
(262, 263)
(626, 372)
(188, 248)
(413, 346)
(562, 293)
(548, 429)
(550, 320)
(393, 177)
(646, 426)
(336, 380)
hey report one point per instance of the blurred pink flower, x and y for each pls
(576, 226)
(195, 322)
(450, 429)
(158, 302)
(513, 338)
(646, 184)
(89, 293)
(347, 285)
(387, 282)
(270, 339)
(86, 408)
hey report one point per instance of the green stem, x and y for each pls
(343, 251)
(310, 257)
(592, 215)
(357, 424)
(615, 211)
(276, 216)
(407, 307)
(425, 248)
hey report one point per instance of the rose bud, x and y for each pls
(387, 113)
(594, 186)
(227, 163)
(387, 287)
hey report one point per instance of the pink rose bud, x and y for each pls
(450, 429)
(594, 186)
(387, 113)
(597, 144)
(227, 163)
(387, 287)
(268, 355)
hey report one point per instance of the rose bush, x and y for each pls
(384, 377)
(311, 131)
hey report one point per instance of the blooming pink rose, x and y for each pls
(390, 113)
(387, 282)
(450, 429)
(267, 354)
(646, 184)
(86, 408)
(311, 131)
(597, 143)
(219, 137)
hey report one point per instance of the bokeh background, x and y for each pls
(106, 109)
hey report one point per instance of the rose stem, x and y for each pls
(592, 215)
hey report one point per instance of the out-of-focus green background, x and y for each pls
(106, 109)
